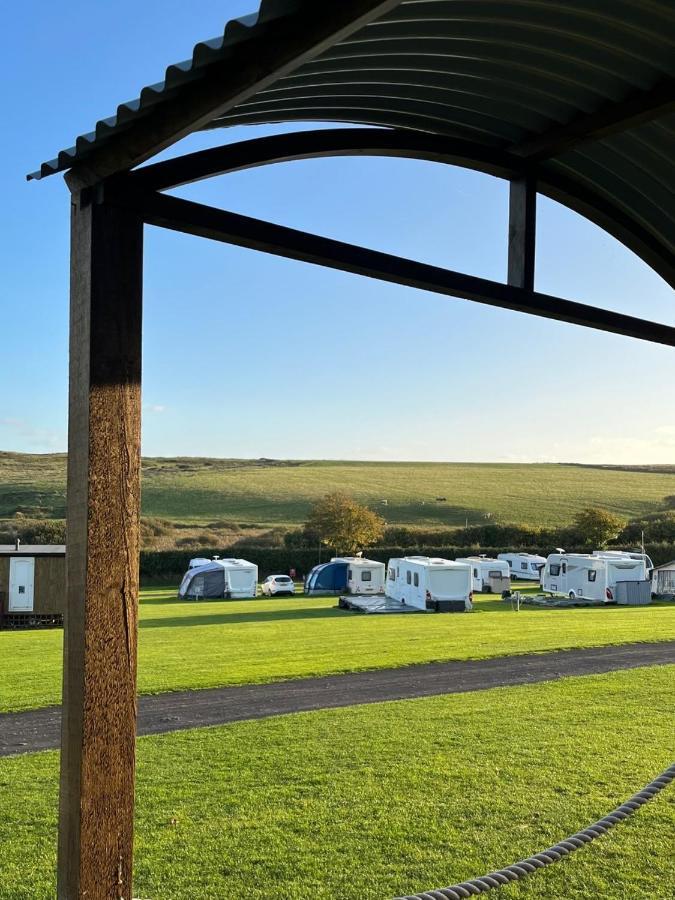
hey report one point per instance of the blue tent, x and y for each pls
(327, 578)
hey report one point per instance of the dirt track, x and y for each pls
(27, 732)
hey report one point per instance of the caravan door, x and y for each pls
(21, 584)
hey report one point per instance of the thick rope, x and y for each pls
(553, 854)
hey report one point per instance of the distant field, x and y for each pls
(268, 492)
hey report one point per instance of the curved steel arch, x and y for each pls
(330, 142)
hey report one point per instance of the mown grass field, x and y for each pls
(266, 492)
(189, 645)
(370, 802)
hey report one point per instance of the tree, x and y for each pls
(597, 526)
(342, 523)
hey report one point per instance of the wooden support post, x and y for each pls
(522, 229)
(99, 681)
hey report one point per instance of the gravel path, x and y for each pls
(39, 729)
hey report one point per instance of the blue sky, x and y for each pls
(248, 355)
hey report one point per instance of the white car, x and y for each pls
(277, 584)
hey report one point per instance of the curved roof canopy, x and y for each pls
(579, 94)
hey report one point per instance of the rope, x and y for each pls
(553, 854)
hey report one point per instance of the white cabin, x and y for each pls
(590, 577)
(426, 582)
(489, 576)
(525, 566)
(364, 576)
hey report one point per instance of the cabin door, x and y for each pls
(21, 584)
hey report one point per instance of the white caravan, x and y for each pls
(627, 554)
(198, 561)
(526, 566)
(489, 576)
(425, 582)
(364, 576)
(590, 577)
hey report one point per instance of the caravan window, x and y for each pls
(523, 566)
(510, 562)
(554, 569)
(494, 573)
(475, 573)
(592, 573)
(366, 575)
(407, 576)
(392, 574)
(564, 568)
(416, 579)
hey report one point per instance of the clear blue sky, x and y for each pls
(250, 355)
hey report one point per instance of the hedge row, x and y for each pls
(170, 565)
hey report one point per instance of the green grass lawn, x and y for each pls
(279, 493)
(190, 645)
(369, 802)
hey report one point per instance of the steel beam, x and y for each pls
(522, 232)
(243, 231)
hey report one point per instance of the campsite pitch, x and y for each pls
(369, 802)
(184, 646)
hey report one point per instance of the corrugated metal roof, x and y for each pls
(497, 73)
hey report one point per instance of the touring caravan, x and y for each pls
(490, 576)
(590, 576)
(220, 578)
(425, 582)
(198, 561)
(524, 566)
(346, 575)
(627, 554)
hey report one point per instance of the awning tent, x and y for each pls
(572, 100)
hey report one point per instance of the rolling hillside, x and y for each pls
(272, 492)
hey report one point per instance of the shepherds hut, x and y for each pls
(32, 585)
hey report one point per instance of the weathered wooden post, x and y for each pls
(99, 681)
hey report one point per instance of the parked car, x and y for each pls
(277, 584)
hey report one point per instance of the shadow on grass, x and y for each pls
(225, 618)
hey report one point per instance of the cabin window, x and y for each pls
(494, 573)
(392, 575)
(554, 569)
(366, 575)
(564, 568)
(592, 574)
(407, 576)
(349, 575)
(510, 562)
(475, 573)
(523, 566)
(416, 579)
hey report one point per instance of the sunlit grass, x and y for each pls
(201, 645)
(369, 802)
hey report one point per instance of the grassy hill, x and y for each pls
(279, 492)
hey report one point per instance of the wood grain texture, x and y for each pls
(99, 721)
